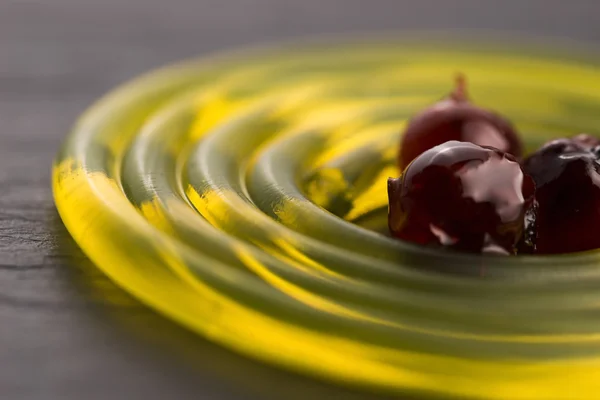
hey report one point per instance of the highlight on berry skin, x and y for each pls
(465, 185)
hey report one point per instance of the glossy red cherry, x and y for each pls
(567, 177)
(456, 118)
(461, 196)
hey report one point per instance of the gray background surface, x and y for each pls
(65, 330)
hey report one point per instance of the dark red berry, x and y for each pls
(567, 177)
(461, 196)
(456, 118)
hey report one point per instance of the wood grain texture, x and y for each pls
(65, 330)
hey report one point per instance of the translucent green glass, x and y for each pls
(244, 196)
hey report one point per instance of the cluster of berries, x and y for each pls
(466, 185)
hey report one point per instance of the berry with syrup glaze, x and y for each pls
(567, 177)
(461, 196)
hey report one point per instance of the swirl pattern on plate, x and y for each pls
(244, 196)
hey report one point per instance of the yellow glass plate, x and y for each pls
(244, 196)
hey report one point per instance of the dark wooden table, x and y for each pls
(66, 332)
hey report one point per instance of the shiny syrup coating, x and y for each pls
(567, 177)
(461, 196)
(456, 118)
